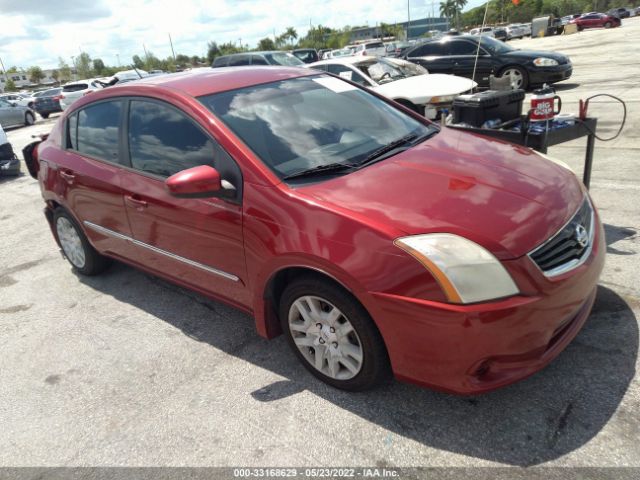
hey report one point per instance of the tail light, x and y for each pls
(87, 92)
(58, 97)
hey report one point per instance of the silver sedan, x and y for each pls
(12, 115)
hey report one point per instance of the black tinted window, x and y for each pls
(258, 60)
(460, 47)
(238, 60)
(163, 141)
(98, 127)
(428, 50)
(220, 62)
(75, 87)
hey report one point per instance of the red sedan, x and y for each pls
(596, 20)
(373, 240)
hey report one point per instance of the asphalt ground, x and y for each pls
(125, 369)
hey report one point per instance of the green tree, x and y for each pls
(64, 70)
(212, 52)
(291, 34)
(99, 66)
(83, 66)
(137, 62)
(266, 43)
(55, 74)
(13, 69)
(35, 74)
(10, 86)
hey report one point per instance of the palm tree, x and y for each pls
(460, 4)
(448, 9)
(291, 34)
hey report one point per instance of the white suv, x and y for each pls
(74, 90)
(376, 49)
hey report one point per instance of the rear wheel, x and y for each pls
(75, 246)
(333, 335)
(607, 25)
(29, 119)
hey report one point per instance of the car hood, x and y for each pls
(421, 88)
(533, 54)
(502, 196)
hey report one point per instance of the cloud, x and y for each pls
(37, 32)
(57, 11)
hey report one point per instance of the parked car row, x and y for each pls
(504, 33)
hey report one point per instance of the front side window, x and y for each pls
(163, 141)
(98, 130)
(303, 123)
(461, 47)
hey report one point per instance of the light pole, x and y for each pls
(74, 71)
(408, 20)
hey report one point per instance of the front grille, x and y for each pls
(567, 248)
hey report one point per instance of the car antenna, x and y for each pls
(475, 62)
(134, 67)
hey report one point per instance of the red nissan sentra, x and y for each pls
(374, 240)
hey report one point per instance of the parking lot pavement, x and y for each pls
(126, 369)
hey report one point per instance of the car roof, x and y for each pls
(206, 81)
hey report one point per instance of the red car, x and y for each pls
(594, 20)
(373, 240)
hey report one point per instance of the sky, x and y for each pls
(37, 32)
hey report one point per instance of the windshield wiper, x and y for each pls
(321, 169)
(382, 153)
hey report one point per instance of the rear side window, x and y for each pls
(163, 141)
(375, 45)
(429, 49)
(221, 62)
(75, 87)
(258, 60)
(345, 72)
(98, 129)
(239, 60)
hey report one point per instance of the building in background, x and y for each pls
(417, 28)
(22, 82)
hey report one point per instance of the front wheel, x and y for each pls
(75, 246)
(333, 335)
(29, 119)
(518, 77)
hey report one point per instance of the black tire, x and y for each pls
(44, 115)
(375, 368)
(94, 263)
(29, 119)
(523, 72)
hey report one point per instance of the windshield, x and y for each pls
(384, 70)
(310, 122)
(286, 59)
(494, 46)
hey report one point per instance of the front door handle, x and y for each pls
(135, 202)
(68, 176)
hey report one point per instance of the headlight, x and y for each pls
(556, 161)
(442, 99)
(466, 271)
(545, 62)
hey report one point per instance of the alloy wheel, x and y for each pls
(517, 79)
(70, 242)
(325, 337)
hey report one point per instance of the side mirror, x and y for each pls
(197, 182)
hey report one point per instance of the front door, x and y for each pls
(196, 241)
(463, 54)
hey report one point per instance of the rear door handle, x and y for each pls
(135, 202)
(67, 175)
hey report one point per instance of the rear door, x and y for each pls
(434, 56)
(87, 175)
(196, 241)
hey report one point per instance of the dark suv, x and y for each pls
(258, 58)
(457, 55)
(48, 102)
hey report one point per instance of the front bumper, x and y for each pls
(540, 75)
(470, 349)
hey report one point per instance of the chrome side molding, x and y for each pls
(138, 243)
